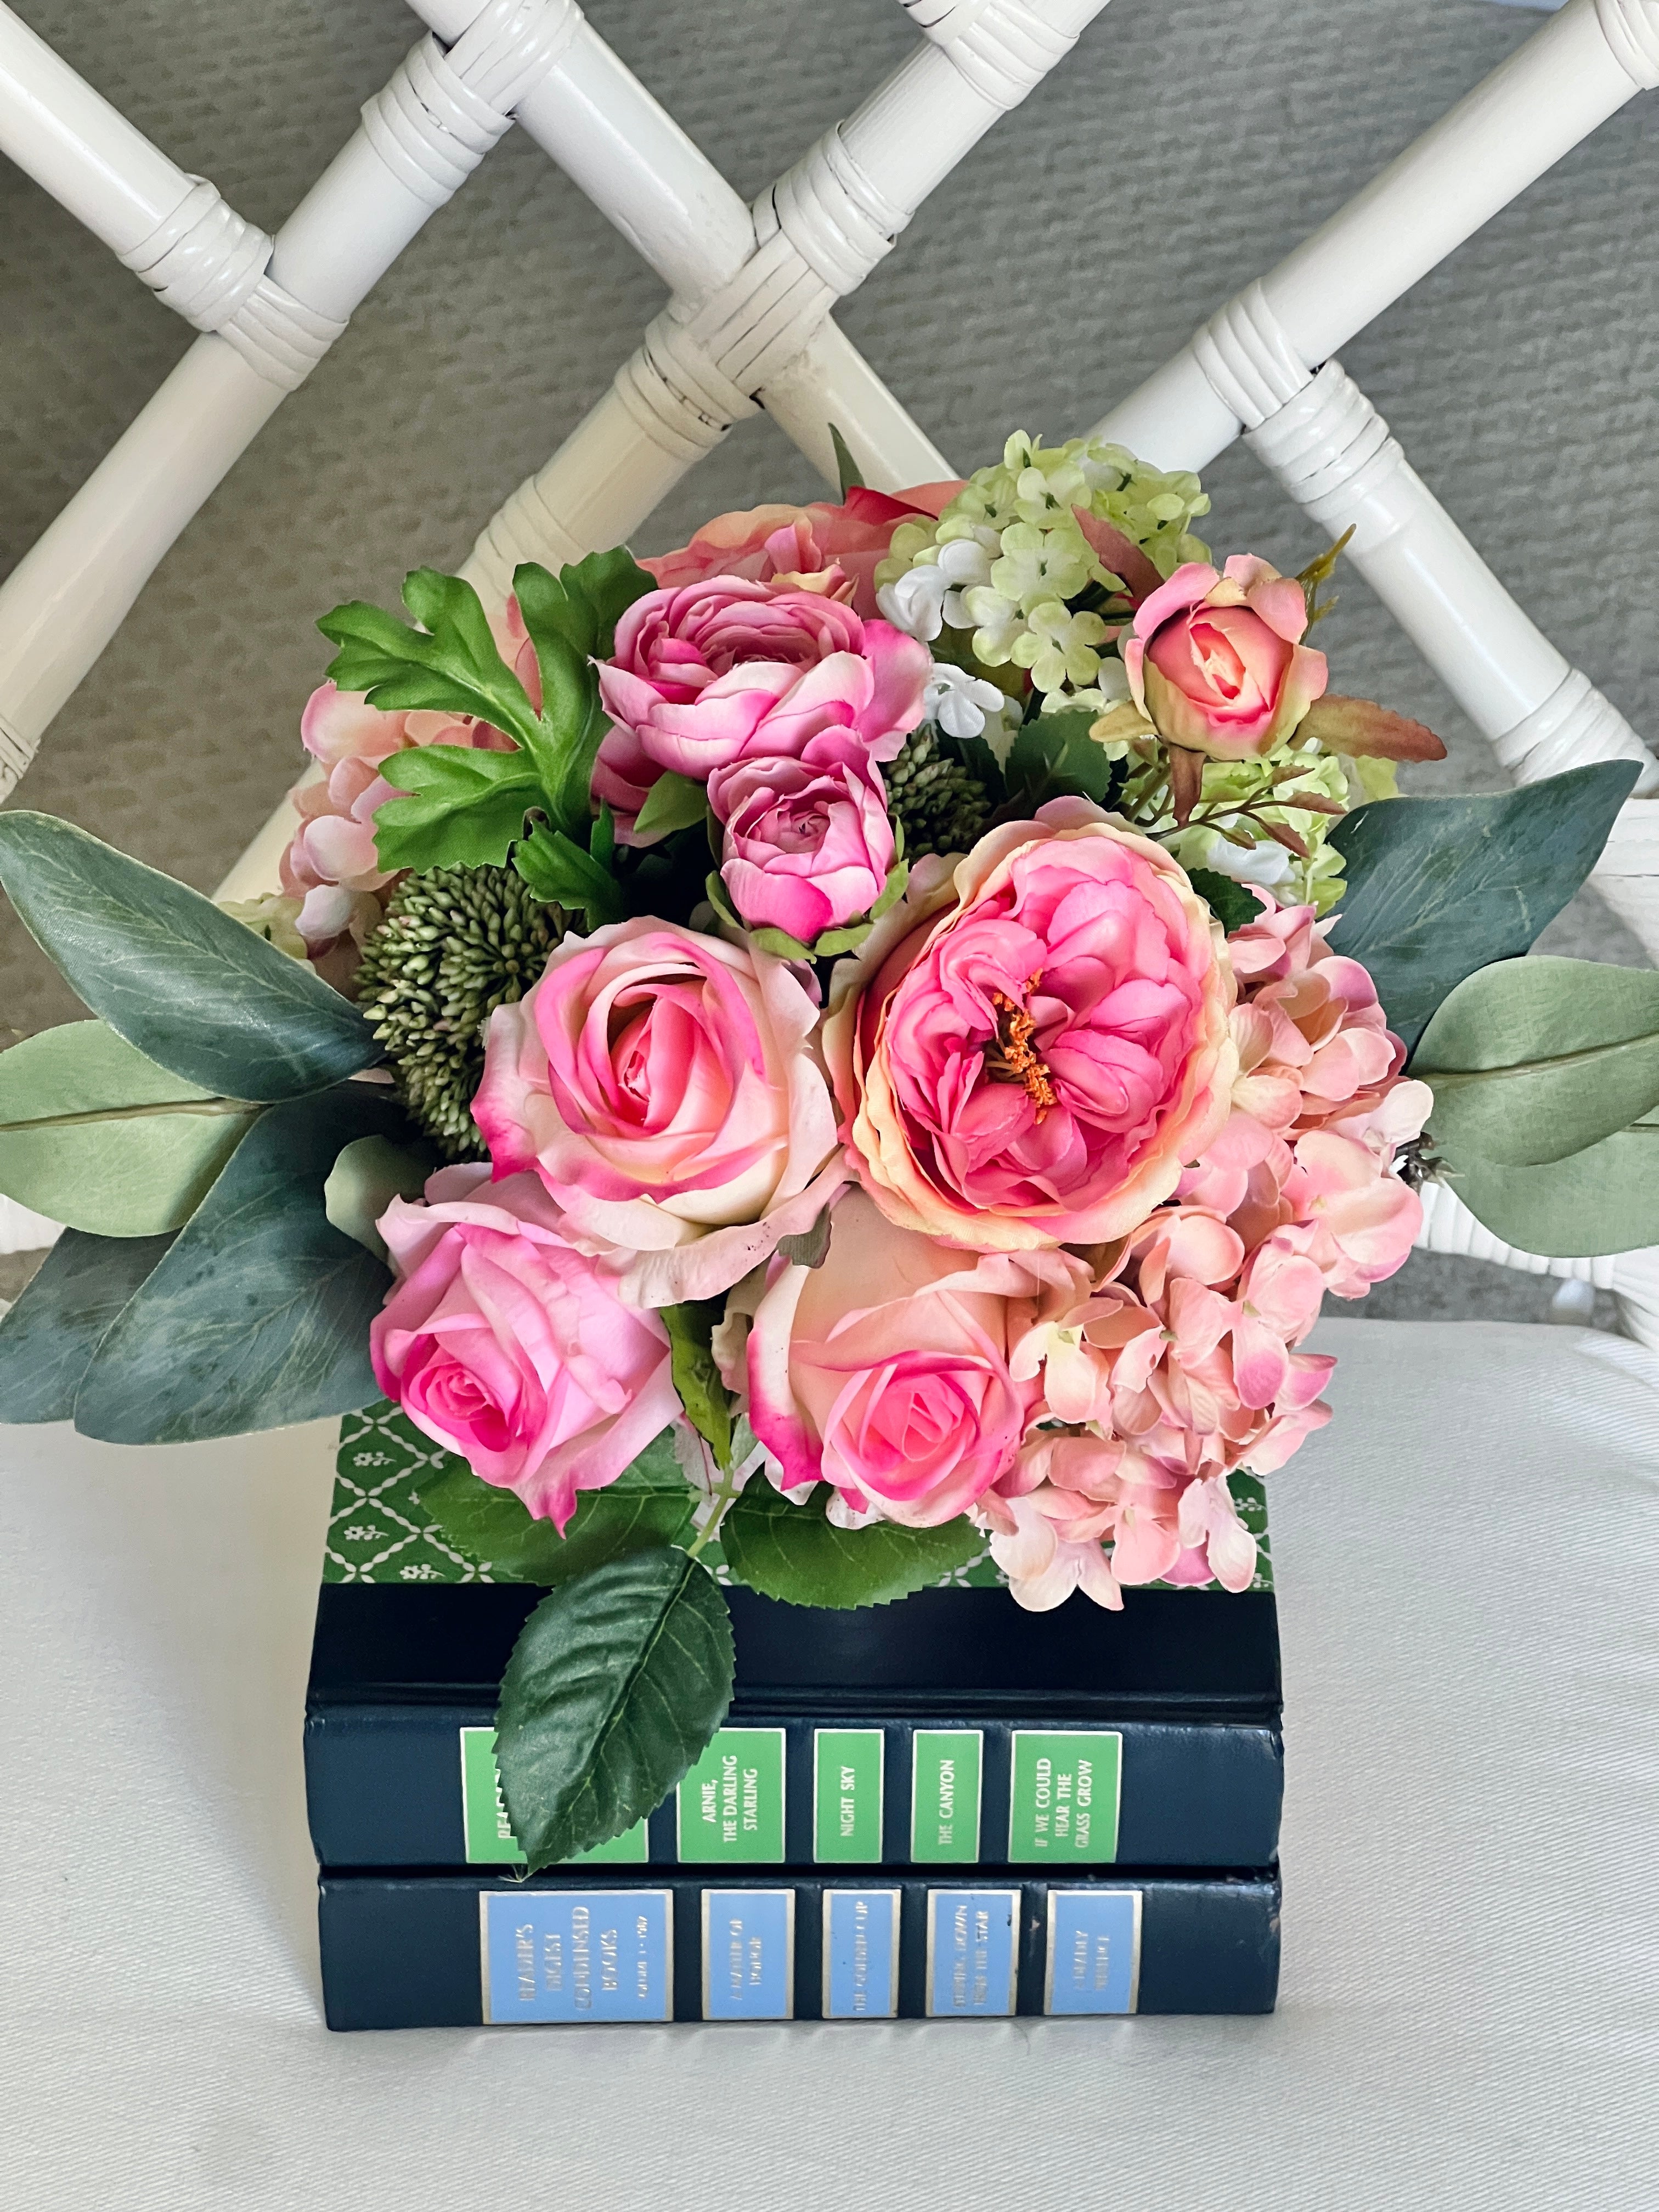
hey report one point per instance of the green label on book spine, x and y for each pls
(731, 1803)
(945, 1766)
(1063, 1802)
(489, 1834)
(846, 1796)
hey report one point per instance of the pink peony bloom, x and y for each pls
(504, 1344)
(808, 842)
(1028, 1049)
(1216, 661)
(662, 1084)
(814, 548)
(727, 669)
(886, 1370)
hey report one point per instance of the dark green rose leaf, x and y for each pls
(48, 1337)
(451, 665)
(707, 1401)
(648, 1507)
(1053, 754)
(793, 1552)
(673, 802)
(1232, 903)
(852, 475)
(190, 987)
(616, 1685)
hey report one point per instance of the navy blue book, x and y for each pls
(457, 1950)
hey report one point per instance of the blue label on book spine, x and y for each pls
(748, 1954)
(860, 1953)
(1094, 1950)
(970, 1953)
(584, 1955)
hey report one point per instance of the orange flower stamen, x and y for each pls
(1011, 1059)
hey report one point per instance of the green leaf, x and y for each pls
(1437, 888)
(462, 809)
(1055, 753)
(95, 1135)
(1531, 1061)
(452, 666)
(779, 943)
(691, 1362)
(852, 476)
(585, 601)
(1605, 1199)
(187, 985)
(650, 1504)
(571, 617)
(793, 1552)
(369, 1173)
(558, 871)
(673, 802)
(1231, 903)
(260, 1313)
(48, 1337)
(617, 1684)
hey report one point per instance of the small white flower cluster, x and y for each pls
(1008, 555)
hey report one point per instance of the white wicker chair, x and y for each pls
(748, 326)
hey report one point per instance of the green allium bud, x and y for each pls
(455, 945)
(943, 805)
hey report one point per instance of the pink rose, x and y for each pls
(1216, 662)
(662, 1084)
(808, 843)
(727, 669)
(886, 1370)
(1028, 1049)
(791, 545)
(504, 1344)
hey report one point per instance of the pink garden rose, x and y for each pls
(727, 669)
(886, 1370)
(802, 545)
(1028, 1049)
(808, 842)
(1216, 661)
(503, 1343)
(662, 1084)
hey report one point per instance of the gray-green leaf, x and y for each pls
(1531, 1061)
(93, 1134)
(649, 1505)
(1437, 888)
(617, 1684)
(259, 1314)
(48, 1337)
(793, 1552)
(1605, 1199)
(184, 983)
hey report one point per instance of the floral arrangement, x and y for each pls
(862, 1039)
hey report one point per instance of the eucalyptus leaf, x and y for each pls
(673, 802)
(1605, 1199)
(1532, 1061)
(185, 983)
(617, 1684)
(697, 1377)
(369, 1173)
(1437, 888)
(259, 1315)
(795, 1553)
(650, 1504)
(95, 1135)
(48, 1337)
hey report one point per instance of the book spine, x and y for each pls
(455, 1950)
(415, 1785)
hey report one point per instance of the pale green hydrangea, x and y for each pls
(1317, 881)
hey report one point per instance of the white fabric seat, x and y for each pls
(1468, 1560)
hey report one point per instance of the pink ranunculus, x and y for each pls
(662, 1083)
(1216, 661)
(502, 1342)
(728, 669)
(801, 545)
(1030, 1047)
(808, 842)
(884, 1371)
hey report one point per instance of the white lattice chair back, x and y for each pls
(749, 326)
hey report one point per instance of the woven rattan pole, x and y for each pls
(1568, 78)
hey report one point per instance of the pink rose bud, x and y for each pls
(808, 843)
(1027, 1049)
(731, 668)
(662, 1084)
(503, 1343)
(1216, 662)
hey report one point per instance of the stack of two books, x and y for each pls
(943, 1807)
